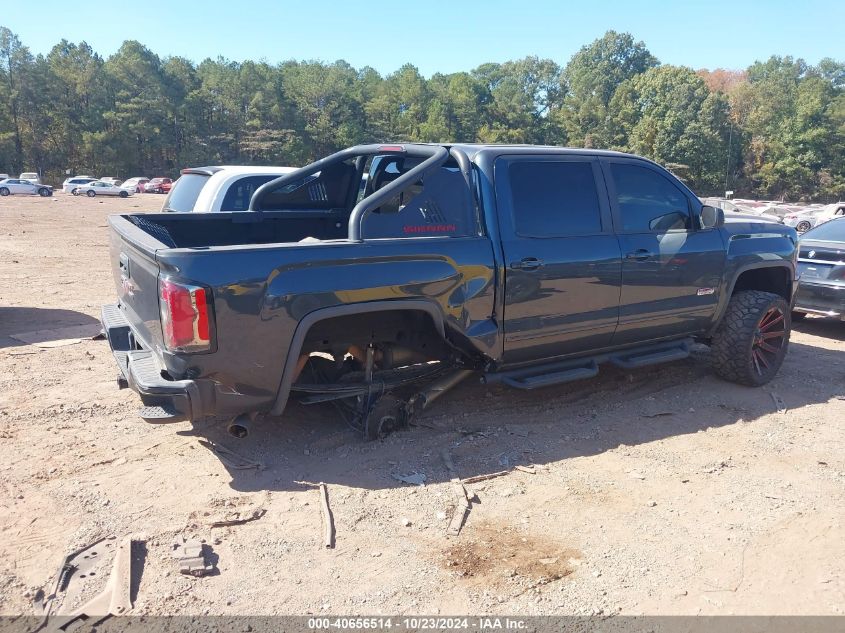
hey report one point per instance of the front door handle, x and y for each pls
(527, 263)
(640, 255)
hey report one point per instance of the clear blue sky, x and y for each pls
(444, 36)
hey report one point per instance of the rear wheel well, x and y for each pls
(774, 279)
(411, 335)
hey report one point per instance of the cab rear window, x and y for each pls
(240, 192)
(184, 193)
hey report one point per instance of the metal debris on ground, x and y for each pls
(415, 479)
(526, 469)
(239, 518)
(462, 509)
(328, 519)
(192, 557)
(230, 457)
(477, 478)
(779, 403)
(115, 599)
(75, 565)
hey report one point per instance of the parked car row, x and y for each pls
(88, 185)
(800, 217)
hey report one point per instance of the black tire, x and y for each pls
(44, 192)
(798, 316)
(91, 193)
(74, 192)
(124, 194)
(159, 190)
(751, 341)
(4, 191)
(803, 226)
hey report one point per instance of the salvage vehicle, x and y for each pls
(219, 187)
(359, 277)
(13, 186)
(821, 267)
(808, 218)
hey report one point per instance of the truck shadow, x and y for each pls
(828, 328)
(41, 323)
(491, 429)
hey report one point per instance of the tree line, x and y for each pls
(773, 130)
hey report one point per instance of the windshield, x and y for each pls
(184, 193)
(833, 231)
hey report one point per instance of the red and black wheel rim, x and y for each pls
(769, 339)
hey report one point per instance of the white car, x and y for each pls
(31, 176)
(70, 184)
(100, 188)
(219, 188)
(111, 180)
(13, 186)
(135, 185)
(805, 220)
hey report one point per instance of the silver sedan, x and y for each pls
(12, 186)
(100, 188)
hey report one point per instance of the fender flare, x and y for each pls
(723, 304)
(308, 321)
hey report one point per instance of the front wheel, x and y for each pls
(43, 192)
(124, 194)
(751, 341)
(803, 226)
(159, 190)
(91, 193)
(4, 191)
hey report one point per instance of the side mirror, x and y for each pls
(712, 217)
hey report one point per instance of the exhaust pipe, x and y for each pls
(239, 427)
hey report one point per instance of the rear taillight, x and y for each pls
(185, 316)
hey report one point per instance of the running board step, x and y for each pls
(161, 413)
(635, 360)
(550, 375)
(528, 378)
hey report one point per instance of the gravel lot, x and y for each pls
(665, 491)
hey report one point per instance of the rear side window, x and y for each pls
(648, 202)
(240, 192)
(184, 193)
(554, 199)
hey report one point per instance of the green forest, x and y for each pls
(774, 130)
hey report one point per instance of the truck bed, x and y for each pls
(194, 230)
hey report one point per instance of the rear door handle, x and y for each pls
(640, 255)
(527, 263)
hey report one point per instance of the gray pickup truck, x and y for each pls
(382, 267)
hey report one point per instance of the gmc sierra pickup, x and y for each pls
(384, 266)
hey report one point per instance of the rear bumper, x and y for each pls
(165, 400)
(825, 299)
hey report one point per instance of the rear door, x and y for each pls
(563, 264)
(671, 267)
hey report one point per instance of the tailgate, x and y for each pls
(135, 271)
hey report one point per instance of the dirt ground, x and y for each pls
(664, 491)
